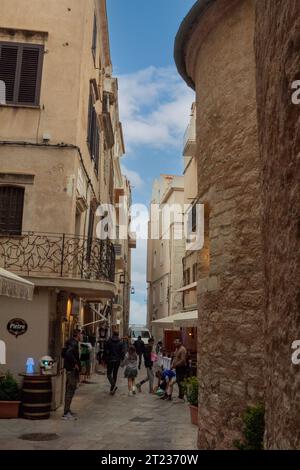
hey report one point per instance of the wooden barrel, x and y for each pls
(36, 396)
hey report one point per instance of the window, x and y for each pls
(153, 297)
(161, 293)
(21, 71)
(94, 43)
(186, 277)
(154, 260)
(11, 209)
(161, 253)
(93, 139)
(195, 266)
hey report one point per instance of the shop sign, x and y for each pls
(17, 327)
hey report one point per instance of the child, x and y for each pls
(131, 369)
(168, 379)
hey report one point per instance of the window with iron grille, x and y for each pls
(21, 71)
(93, 139)
(11, 209)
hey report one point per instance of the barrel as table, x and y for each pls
(36, 396)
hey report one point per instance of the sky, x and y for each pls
(154, 103)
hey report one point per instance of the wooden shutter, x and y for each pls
(11, 209)
(8, 67)
(95, 33)
(93, 137)
(90, 127)
(97, 146)
(21, 70)
(29, 75)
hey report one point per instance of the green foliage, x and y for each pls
(254, 427)
(191, 387)
(9, 388)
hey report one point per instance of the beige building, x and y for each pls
(123, 246)
(60, 145)
(191, 257)
(165, 252)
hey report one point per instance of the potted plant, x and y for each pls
(191, 392)
(9, 397)
(253, 429)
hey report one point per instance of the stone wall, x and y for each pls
(277, 43)
(230, 301)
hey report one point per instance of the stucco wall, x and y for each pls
(34, 343)
(277, 52)
(49, 204)
(230, 302)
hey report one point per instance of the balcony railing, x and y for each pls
(58, 255)
(189, 139)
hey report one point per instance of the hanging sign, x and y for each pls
(17, 327)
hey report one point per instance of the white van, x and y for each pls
(136, 331)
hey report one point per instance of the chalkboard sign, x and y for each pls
(17, 327)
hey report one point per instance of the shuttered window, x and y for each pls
(94, 43)
(93, 139)
(11, 209)
(21, 71)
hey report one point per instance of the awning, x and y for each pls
(12, 285)
(182, 319)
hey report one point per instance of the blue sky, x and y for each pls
(154, 104)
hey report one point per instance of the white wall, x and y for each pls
(34, 343)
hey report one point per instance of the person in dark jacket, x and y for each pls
(114, 353)
(72, 367)
(149, 366)
(140, 349)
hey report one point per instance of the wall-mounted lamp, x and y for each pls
(132, 290)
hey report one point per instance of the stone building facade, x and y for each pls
(165, 250)
(214, 53)
(277, 45)
(60, 145)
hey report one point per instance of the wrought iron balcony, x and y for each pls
(58, 255)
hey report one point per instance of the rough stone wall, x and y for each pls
(277, 42)
(230, 301)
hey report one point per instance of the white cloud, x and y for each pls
(133, 176)
(155, 107)
(138, 313)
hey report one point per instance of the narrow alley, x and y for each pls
(105, 422)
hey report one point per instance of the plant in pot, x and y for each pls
(9, 397)
(191, 391)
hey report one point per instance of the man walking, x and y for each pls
(149, 366)
(113, 355)
(179, 364)
(140, 349)
(72, 367)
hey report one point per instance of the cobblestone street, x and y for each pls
(141, 422)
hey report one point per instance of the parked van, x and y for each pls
(136, 331)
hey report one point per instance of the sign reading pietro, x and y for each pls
(17, 327)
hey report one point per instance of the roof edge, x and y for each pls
(185, 30)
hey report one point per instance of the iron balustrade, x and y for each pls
(58, 255)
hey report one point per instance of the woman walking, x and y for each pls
(131, 369)
(148, 360)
